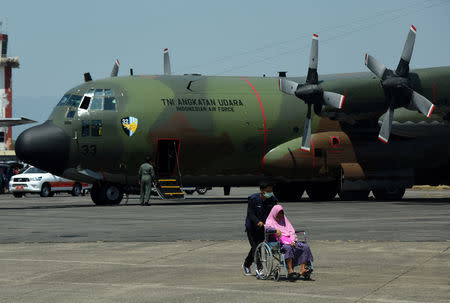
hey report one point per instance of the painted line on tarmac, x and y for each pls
(230, 290)
(84, 262)
(109, 263)
(433, 217)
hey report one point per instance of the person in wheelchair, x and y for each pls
(295, 252)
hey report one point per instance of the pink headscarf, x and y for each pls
(287, 231)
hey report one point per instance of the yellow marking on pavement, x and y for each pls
(167, 180)
(170, 186)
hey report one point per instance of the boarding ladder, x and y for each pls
(169, 188)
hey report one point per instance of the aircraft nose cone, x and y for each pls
(45, 146)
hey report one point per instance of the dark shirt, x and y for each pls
(258, 210)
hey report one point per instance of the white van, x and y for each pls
(34, 180)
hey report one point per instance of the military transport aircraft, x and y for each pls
(311, 133)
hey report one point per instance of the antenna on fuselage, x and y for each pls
(87, 77)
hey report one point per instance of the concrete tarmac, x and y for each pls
(63, 249)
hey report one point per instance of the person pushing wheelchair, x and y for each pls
(259, 206)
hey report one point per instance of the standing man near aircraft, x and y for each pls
(259, 206)
(146, 174)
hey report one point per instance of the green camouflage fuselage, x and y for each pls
(237, 130)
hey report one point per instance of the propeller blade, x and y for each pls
(385, 130)
(287, 86)
(403, 66)
(312, 77)
(115, 69)
(375, 66)
(422, 104)
(166, 62)
(409, 44)
(306, 140)
(333, 99)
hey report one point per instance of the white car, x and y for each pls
(34, 180)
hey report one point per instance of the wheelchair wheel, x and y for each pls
(263, 261)
(276, 274)
(308, 276)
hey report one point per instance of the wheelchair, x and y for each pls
(269, 257)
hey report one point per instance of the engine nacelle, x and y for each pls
(328, 151)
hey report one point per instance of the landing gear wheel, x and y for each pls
(354, 195)
(227, 190)
(289, 192)
(45, 190)
(113, 194)
(263, 258)
(189, 192)
(389, 194)
(18, 195)
(106, 194)
(201, 190)
(95, 194)
(321, 191)
(76, 190)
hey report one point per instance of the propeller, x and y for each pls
(397, 86)
(166, 62)
(311, 92)
(115, 69)
(114, 72)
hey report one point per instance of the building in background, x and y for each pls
(6, 120)
(6, 66)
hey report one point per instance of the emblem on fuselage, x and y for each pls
(129, 125)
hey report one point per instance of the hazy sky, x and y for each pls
(58, 41)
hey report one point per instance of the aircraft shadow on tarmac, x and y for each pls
(224, 201)
(53, 206)
(423, 201)
(228, 201)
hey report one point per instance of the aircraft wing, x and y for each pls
(6, 122)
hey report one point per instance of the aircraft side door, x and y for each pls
(167, 157)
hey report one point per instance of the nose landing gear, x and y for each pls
(106, 194)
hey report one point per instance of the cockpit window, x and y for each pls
(63, 100)
(110, 103)
(85, 127)
(74, 100)
(96, 103)
(96, 128)
(103, 99)
(99, 99)
(85, 102)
